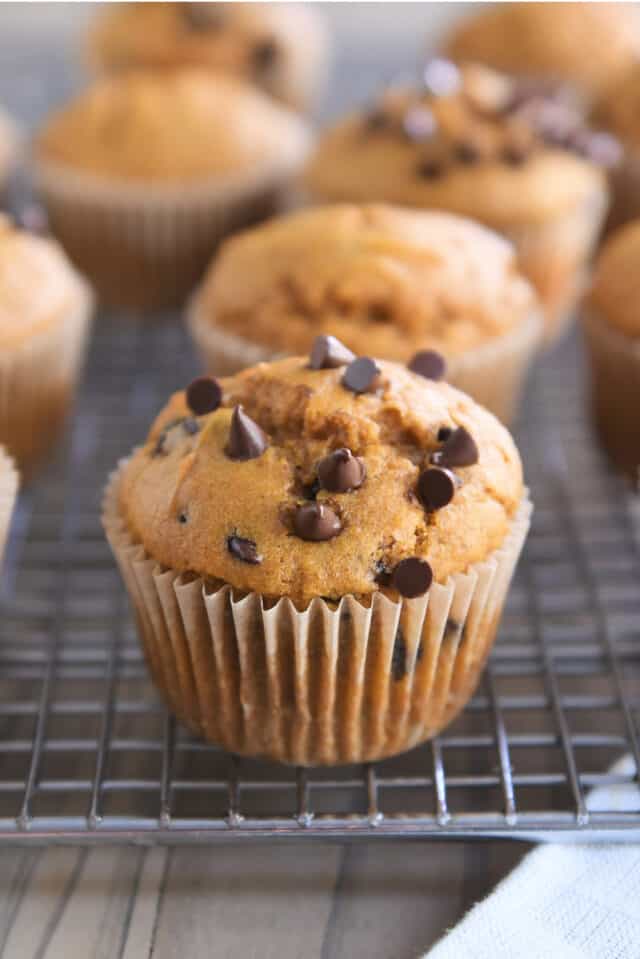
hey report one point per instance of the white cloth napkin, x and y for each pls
(563, 901)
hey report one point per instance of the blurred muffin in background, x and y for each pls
(589, 45)
(612, 326)
(8, 489)
(508, 153)
(619, 112)
(45, 309)
(384, 280)
(281, 48)
(145, 172)
(8, 147)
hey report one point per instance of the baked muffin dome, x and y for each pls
(281, 48)
(588, 45)
(180, 126)
(255, 494)
(615, 287)
(383, 279)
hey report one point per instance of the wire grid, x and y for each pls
(88, 753)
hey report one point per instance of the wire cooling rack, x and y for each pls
(88, 753)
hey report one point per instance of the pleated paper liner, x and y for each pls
(9, 481)
(334, 683)
(146, 246)
(38, 379)
(614, 361)
(493, 374)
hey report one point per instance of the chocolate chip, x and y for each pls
(430, 169)
(246, 440)
(316, 522)
(467, 153)
(459, 449)
(513, 155)
(203, 395)
(328, 353)
(341, 471)
(444, 433)
(419, 124)
(183, 518)
(244, 549)
(429, 364)
(382, 573)
(412, 577)
(436, 488)
(201, 16)
(375, 120)
(361, 375)
(264, 55)
(441, 78)
(399, 656)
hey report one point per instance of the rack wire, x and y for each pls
(88, 753)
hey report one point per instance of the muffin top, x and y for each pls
(615, 287)
(38, 285)
(324, 476)
(173, 126)
(468, 140)
(586, 44)
(279, 47)
(383, 279)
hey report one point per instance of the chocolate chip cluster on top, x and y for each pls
(324, 476)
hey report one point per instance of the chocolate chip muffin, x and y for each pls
(589, 45)
(393, 281)
(146, 171)
(612, 327)
(8, 491)
(281, 48)
(318, 551)
(481, 144)
(45, 308)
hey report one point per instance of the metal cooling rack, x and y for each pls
(88, 753)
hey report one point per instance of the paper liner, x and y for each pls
(333, 683)
(555, 256)
(493, 374)
(146, 246)
(615, 392)
(37, 382)
(8, 489)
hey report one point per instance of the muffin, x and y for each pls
(480, 144)
(45, 309)
(145, 172)
(618, 111)
(8, 491)
(393, 281)
(8, 148)
(612, 327)
(589, 45)
(282, 48)
(318, 553)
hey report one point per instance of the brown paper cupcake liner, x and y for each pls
(615, 392)
(8, 489)
(493, 374)
(145, 247)
(37, 382)
(342, 682)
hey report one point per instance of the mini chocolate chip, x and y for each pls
(264, 55)
(459, 449)
(246, 440)
(316, 522)
(419, 124)
(440, 77)
(361, 375)
(382, 573)
(513, 155)
(444, 433)
(430, 169)
(328, 353)
(244, 549)
(204, 395)
(201, 16)
(436, 488)
(183, 518)
(341, 471)
(429, 364)
(412, 577)
(399, 656)
(467, 153)
(375, 120)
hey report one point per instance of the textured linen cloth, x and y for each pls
(564, 901)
